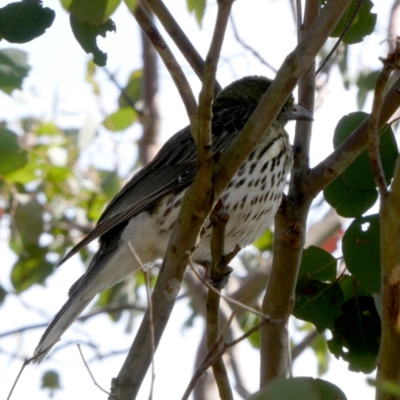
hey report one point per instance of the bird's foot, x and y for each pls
(218, 276)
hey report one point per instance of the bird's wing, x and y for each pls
(171, 171)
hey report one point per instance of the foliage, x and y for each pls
(52, 202)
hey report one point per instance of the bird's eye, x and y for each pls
(284, 108)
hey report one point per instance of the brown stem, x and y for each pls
(330, 168)
(345, 30)
(197, 204)
(289, 235)
(219, 220)
(181, 40)
(149, 145)
(390, 63)
(250, 48)
(169, 60)
(294, 66)
(389, 349)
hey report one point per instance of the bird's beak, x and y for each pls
(300, 113)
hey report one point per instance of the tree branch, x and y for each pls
(195, 208)
(390, 63)
(197, 203)
(294, 66)
(289, 235)
(169, 60)
(330, 168)
(342, 35)
(251, 49)
(219, 219)
(149, 146)
(181, 40)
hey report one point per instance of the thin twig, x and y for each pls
(181, 40)
(304, 344)
(150, 306)
(24, 364)
(205, 171)
(333, 165)
(212, 357)
(389, 64)
(122, 90)
(107, 309)
(214, 354)
(197, 203)
(150, 303)
(91, 375)
(219, 219)
(345, 30)
(230, 300)
(170, 61)
(248, 47)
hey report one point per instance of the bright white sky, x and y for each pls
(55, 89)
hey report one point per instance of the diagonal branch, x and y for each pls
(197, 204)
(195, 208)
(389, 64)
(181, 40)
(294, 66)
(170, 62)
(330, 168)
(290, 230)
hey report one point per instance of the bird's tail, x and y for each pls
(101, 274)
(61, 322)
(97, 278)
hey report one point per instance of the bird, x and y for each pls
(135, 227)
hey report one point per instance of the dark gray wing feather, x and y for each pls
(171, 171)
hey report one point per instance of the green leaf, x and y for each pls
(356, 334)
(359, 173)
(299, 388)
(96, 206)
(264, 242)
(317, 302)
(361, 251)
(47, 129)
(120, 119)
(198, 7)
(131, 4)
(23, 21)
(317, 263)
(95, 12)
(58, 174)
(32, 171)
(12, 157)
(110, 183)
(28, 218)
(13, 69)
(349, 201)
(3, 294)
(247, 321)
(86, 35)
(351, 288)
(91, 70)
(30, 268)
(320, 348)
(133, 90)
(51, 380)
(363, 24)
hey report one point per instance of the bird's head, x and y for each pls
(249, 90)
